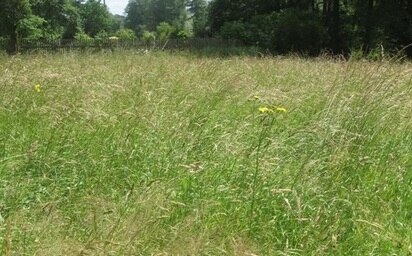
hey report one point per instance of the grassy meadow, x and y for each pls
(133, 153)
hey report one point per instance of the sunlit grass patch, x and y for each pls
(164, 154)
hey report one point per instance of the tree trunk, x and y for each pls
(368, 26)
(12, 44)
(335, 27)
(325, 8)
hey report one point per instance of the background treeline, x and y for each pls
(366, 27)
(310, 26)
(55, 19)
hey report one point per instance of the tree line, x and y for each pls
(277, 26)
(311, 26)
(54, 19)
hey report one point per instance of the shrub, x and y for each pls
(83, 39)
(125, 34)
(183, 34)
(164, 30)
(148, 37)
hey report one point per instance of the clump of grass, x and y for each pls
(158, 153)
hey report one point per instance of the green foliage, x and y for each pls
(222, 12)
(164, 30)
(170, 11)
(276, 29)
(395, 21)
(311, 26)
(279, 26)
(82, 36)
(148, 37)
(289, 31)
(72, 22)
(183, 34)
(125, 34)
(148, 14)
(233, 30)
(95, 17)
(102, 35)
(117, 22)
(11, 13)
(31, 27)
(198, 9)
(298, 31)
(83, 40)
(54, 12)
(135, 16)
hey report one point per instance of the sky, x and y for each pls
(117, 6)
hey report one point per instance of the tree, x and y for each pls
(365, 17)
(198, 8)
(31, 27)
(395, 20)
(136, 16)
(222, 11)
(349, 24)
(335, 26)
(170, 11)
(117, 22)
(62, 17)
(148, 14)
(164, 30)
(95, 17)
(11, 14)
(72, 21)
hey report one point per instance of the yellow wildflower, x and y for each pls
(37, 87)
(280, 109)
(256, 97)
(265, 110)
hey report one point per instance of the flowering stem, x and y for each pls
(263, 134)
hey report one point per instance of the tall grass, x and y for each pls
(164, 154)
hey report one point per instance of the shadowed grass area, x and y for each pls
(164, 154)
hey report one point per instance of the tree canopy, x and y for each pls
(53, 19)
(278, 26)
(312, 25)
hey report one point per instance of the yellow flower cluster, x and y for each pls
(265, 110)
(280, 109)
(37, 88)
(272, 109)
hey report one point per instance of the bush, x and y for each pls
(183, 34)
(31, 27)
(125, 34)
(83, 39)
(101, 39)
(164, 30)
(148, 37)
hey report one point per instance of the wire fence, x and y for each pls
(65, 45)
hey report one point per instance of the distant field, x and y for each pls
(165, 154)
